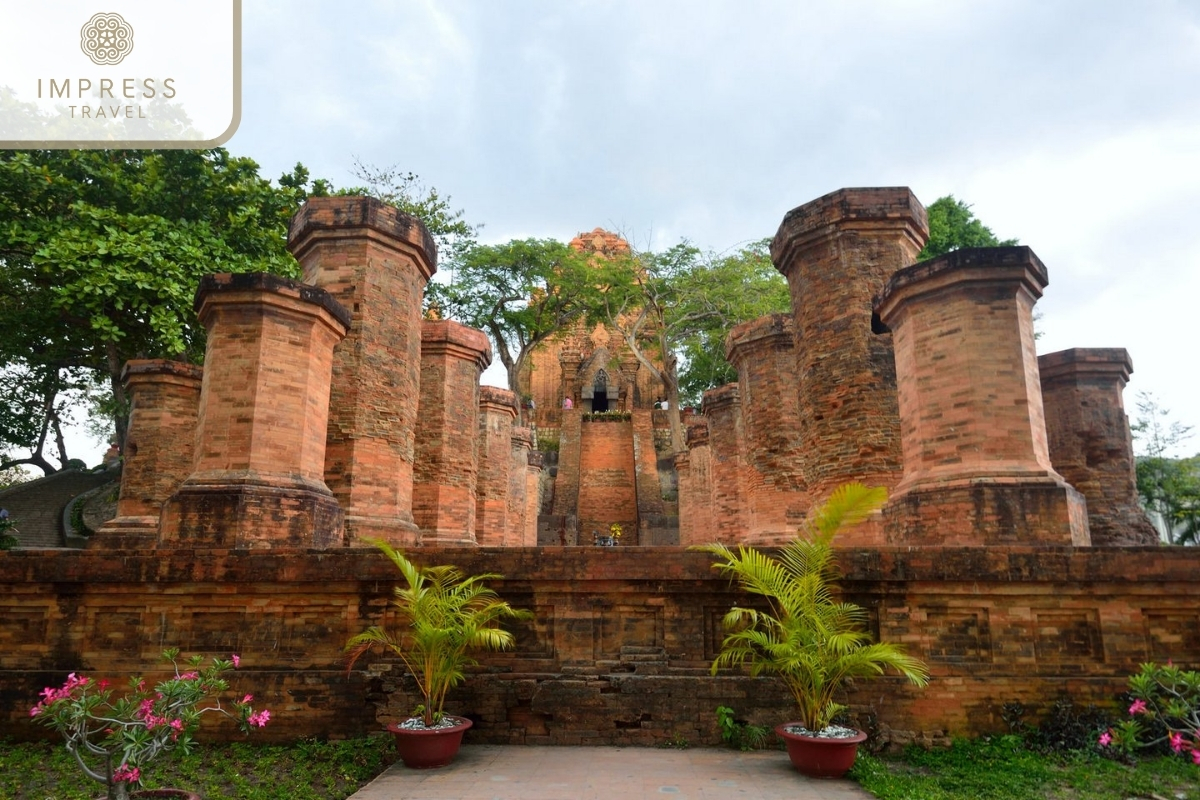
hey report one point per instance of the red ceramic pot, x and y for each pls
(819, 757)
(426, 749)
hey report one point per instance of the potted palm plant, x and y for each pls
(807, 637)
(444, 615)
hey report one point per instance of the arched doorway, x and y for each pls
(600, 392)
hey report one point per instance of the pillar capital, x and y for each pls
(875, 209)
(1089, 362)
(325, 220)
(444, 337)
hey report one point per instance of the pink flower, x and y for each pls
(33, 712)
(123, 774)
(1106, 739)
(1177, 742)
(248, 698)
(259, 718)
(189, 676)
(103, 684)
(177, 724)
(237, 662)
(1196, 756)
(1138, 707)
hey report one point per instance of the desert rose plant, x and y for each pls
(114, 738)
(1169, 696)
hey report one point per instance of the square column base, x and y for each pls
(982, 513)
(360, 530)
(248, 516)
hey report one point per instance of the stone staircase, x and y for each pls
(37, 506)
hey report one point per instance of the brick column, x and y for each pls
(534, 464)
(520, 446)
(727, 451)
(159, 447)
(375, 261)
(258, 474)
(693, 469)
(497, 410)
(763, 351)
(1090, 442)
(444, 477)
(836, 253)
(976, 462)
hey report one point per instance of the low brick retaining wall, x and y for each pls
(620, 649)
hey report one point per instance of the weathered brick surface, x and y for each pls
(836, 253)
(520, 446)
(763, 351)
(159, 447)
(653, 527)
(446, 467)
(695, 486)
(534, 468)
(497, 410)
(257, 479)
(976, 461)
(375, 260)
(609, 493)
(1090, 442)
(620, 648)
(727, 464)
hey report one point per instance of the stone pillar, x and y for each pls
(444, 477)
(693, 468)
(159, 447)
(763, 351)
(1090, 442)
(533, 498)
(258, 474)
(375, 261)
(727, 451)
(976, 461)
(570, 361)
(497, 410)
(520, 446)
(836, 253)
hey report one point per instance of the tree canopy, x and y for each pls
(953, 225)
(520, 293)
(100, 255)
(674, 309)
(1169, 487)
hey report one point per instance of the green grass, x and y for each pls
(306, 770)
(1001, 768)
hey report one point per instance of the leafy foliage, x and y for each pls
(952, 225)
(1169, 487)
(674, 310)
(100, 255)
(521, 293)
(737, 733)
(810, 640)
(445, 615)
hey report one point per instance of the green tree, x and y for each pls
(673, 310)
(953, 225)
(520, 293)
(1169, 487)
(100, 255)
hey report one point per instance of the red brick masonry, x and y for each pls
(622, 641)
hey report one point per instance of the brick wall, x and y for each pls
(609, 494)
(620, 648)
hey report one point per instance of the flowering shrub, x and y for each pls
(1168, 696)
(112, 739)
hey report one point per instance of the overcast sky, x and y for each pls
(1072, 126)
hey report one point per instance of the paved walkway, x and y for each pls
(499, 772)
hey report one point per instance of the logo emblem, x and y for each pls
(106, 39)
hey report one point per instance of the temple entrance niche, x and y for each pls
(600, 392)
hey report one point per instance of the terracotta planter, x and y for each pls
(426, 749)
(818, 757)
